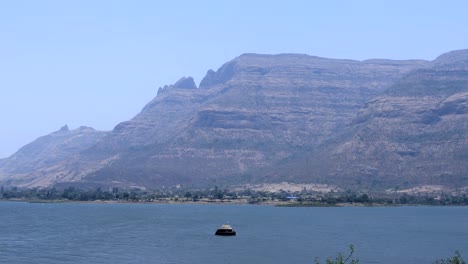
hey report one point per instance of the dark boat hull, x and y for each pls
(221, 232)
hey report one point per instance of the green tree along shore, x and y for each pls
(216, 194)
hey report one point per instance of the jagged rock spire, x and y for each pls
(185, 83)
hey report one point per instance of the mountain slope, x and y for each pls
(269, 118)
(415, 133)
(47, 151)
(255, 111)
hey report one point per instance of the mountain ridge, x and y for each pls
(265, 118)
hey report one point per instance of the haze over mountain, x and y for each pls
(48, 151)
(272, 118)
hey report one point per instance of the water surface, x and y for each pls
(147, 233)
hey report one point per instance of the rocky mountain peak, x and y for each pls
(50, 149)
(452, 57)
(222, 75)
(185, 83)
(251, 64)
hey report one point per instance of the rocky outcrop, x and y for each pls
(183, 83)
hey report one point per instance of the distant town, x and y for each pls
(305, 198)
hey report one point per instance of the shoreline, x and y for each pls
(230, 202)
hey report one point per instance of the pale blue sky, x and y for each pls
(97, 63)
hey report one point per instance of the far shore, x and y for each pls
(222, 202)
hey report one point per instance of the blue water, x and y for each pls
(146, 233)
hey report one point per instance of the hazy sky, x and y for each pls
(97, 63)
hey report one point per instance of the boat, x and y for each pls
(225, 230)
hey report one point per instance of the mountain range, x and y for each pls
(270, 118)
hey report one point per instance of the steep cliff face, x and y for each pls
(415, 133)
(253, 112)
(267, 118)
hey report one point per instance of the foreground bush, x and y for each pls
(340, 259)
(457, 259)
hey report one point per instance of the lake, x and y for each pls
(162, 233)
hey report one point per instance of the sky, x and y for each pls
(97, 63)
